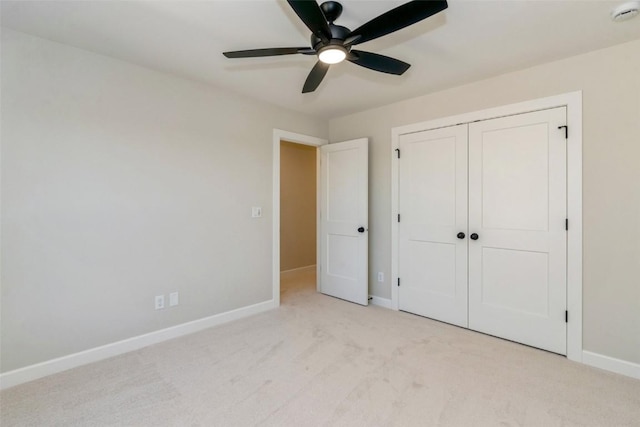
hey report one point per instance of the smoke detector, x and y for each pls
(625, 11)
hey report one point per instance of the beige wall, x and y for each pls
(120, 183)
(297, 205)
(611, 177)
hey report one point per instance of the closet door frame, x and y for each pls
(573, 102)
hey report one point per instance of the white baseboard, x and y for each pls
(43, 369)
(612, 364)
(298, 269)
(381, 302)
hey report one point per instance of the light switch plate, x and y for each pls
(174, 299)
(256, 212)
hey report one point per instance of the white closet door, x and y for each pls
(433, 211)
(517, 208)
(344, 207)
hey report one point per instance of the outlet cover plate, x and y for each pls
(159, 302)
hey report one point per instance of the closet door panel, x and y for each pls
(517, 208)
(433, 208)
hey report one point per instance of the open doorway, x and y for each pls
(295, 214)
(297, 206)
(298, 220)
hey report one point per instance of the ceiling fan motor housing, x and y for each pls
(338, 35)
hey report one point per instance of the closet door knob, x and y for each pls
(474, 236)
(361, 230)
(460, 235)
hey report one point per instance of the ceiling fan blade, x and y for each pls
(253, 53)
(396, 19)
(315, 77)
(376, 62)
(312, 16)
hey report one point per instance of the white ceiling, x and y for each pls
(471, 40)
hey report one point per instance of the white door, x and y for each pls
(517, 212)
(433, 224)
(344, 211)
(433, 212)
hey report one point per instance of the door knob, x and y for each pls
(460, 235)
(361, 230)
(474, 236)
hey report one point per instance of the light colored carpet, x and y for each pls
(322, 361)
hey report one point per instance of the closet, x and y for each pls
(482, 238)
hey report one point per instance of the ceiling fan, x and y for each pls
(333, 43)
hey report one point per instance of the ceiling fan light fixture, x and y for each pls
(332, 54)
(332, 43)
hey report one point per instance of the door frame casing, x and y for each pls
(573, 102)
(298, 138)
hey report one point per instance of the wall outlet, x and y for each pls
(256, 212)
(174, 299)
(380, 276)
(159, 302)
